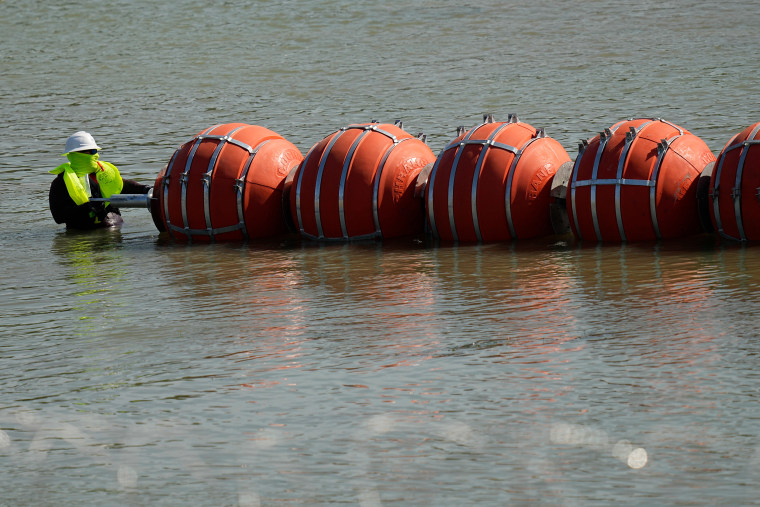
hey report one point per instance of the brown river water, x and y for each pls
(138, 371)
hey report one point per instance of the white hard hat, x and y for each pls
(79, 141)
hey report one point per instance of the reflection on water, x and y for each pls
(405, 372)
(90, 261)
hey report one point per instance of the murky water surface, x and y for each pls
(136, 371)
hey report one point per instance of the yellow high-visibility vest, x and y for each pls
(76, 171)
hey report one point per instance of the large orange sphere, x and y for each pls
(636, 181)
(493, 182)
(359, 183)
(734, 194)
(226, 183)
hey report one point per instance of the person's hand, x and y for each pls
(95, 210)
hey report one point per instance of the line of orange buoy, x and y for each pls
(640, 179)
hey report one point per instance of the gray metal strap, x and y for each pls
(630, 137)
(204, 232)
(429, 187)
(376, 188)
(737, 191)
(343, 177)
(375, 127)
(716, 187)
(662, 149)
(485, 142)
(450, 194)
(612, 181)
(240, 187)
(431, 183)
(574, 183)
(298, 191)
(165, 189)
(679, 129)
(736, 194)
(742, 144)
(604, 138)
(479, 168)
(227, 138)
(364, 237)
(183, 179)
(208, 175)
(318, 188)
(510, 177)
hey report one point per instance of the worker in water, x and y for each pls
(84, 177)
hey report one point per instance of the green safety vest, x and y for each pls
(75, 173)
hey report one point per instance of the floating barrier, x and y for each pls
(359, 183)
(642, 179)
(734, 193)
(493, 182)
(636, 181)
(226, 183)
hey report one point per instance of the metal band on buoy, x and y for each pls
(662, 149)
(716, 188)
(540, 134)
(476, 178)
(574, 184)
(207, 177)
(169, 226)
(183, 178)
(165, 191)
(736, 190)
(240, 187)
(317, 190)
(342, 184)
(461, 144)
(630, 137)
(604, 138)
(429, 189)
(298, 193)
(376, 187)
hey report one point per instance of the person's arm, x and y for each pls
(133, 187)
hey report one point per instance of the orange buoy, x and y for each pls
(637, 181)
(226, 183)
(493, 182)
(734, 193)
(359, 182)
